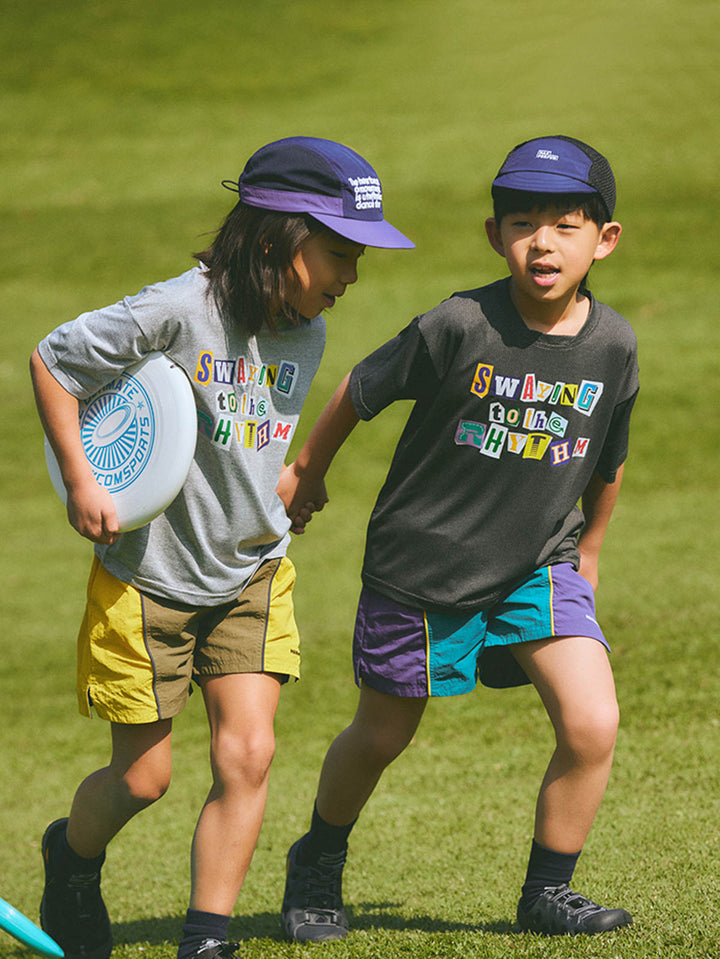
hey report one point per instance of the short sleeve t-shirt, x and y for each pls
(506, 431)
(248, 390)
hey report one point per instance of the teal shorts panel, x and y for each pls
(408, 652)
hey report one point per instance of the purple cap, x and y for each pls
(558, 164)
(329, 181)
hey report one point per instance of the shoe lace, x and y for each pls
(323, 881)
(574, 903)
(83, 890)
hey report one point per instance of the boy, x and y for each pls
(478, 562)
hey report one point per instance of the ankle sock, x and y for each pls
(200, 926)
(323, 838)
(546, 868)
(69, 862)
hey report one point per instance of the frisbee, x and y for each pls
(138, 434)
(18, 925)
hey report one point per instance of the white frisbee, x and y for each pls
(138, 433)
(18, 925)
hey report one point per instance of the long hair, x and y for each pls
(250, 266)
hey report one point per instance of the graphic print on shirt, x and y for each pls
(241, 392)
(528, 417)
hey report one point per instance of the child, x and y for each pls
(204, 591)
(478, 563)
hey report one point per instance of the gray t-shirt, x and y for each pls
(506, 431)
(248, 390)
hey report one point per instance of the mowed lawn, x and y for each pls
(119, 120)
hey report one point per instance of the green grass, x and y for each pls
(118, 121)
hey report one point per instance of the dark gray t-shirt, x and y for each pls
(506, 431)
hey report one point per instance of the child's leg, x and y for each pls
(137, 775)
(241, 711)
(573, 678)
(383, 726)
(72, 910)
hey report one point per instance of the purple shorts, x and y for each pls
(403, 651)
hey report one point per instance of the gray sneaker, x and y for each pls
(215, 949)
(312, 909)
(560, 911)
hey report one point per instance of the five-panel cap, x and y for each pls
(558, 164)
(331, 182)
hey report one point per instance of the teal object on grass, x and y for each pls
(19, 926)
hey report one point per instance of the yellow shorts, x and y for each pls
(137, 655)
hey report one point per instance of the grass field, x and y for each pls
(119, 119)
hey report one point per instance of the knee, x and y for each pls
(383, 744)
(589, 736)
(144, 783)
(242, 760)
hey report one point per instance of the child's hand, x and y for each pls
(301, 496)
(91, 512)
(589, 568)
(300, 520)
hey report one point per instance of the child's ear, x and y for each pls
(492, 228)
(608, 240)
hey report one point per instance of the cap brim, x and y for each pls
(378, 233)
(531, 181)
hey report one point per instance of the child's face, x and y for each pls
(549, 253)
(326, 264)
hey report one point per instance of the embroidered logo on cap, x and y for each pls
(368, 193)
(546, 155)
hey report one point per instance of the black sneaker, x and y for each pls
(312, 909)
(214, 949)
(560, 911)
(72, 910)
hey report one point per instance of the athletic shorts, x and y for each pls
(403, 651)
(138, 655)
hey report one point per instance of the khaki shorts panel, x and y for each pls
(257, 633)
(137, 656)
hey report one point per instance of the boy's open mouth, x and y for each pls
(544, 275)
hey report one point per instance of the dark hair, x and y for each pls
(507, 201)
(250, 266)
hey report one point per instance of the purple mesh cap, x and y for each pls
(558, 164)
(329, 181)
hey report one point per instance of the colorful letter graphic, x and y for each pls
(203, 372)
(588, 395)
(560, 452)
(481, 382)
(535, 446)
(494, 441)
(469, 433)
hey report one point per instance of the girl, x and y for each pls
(203, 592)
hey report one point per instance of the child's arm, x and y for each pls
(598, 502)
(302, 483)
(90, 508)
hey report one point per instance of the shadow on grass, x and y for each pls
(266, 925)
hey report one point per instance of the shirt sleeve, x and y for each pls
(401, 369)
(615, 449)
(90, 351)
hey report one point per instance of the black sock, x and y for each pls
(200, 926)
(546, 868)
(323, 838)
(69, 862)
